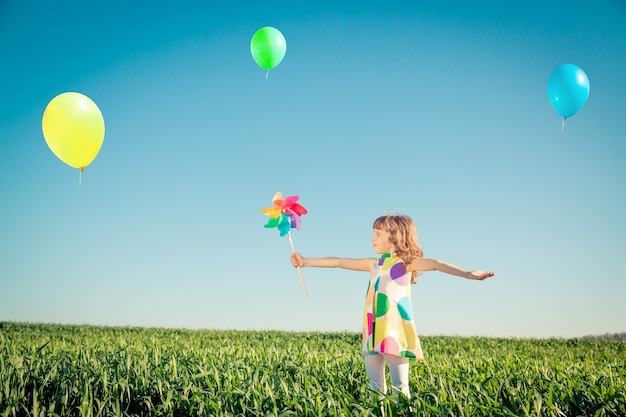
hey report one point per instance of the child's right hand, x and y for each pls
(296, 259)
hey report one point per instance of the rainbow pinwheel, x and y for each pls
(285, 215)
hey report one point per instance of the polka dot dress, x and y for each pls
(388, 324)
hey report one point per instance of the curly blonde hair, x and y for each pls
(403, 235)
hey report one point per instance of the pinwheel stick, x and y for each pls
(306, 293)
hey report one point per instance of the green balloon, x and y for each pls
(268, 47)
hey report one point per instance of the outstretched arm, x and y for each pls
(422, 264)
(363, 264)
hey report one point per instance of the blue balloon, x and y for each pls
(568, 89)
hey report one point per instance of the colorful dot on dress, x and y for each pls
(405, 309)
(389, 345)
(398, 274)
(382, 305)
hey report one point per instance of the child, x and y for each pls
(389, 334)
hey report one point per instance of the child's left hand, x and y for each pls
(479, 275)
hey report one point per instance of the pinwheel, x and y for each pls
(285, 215)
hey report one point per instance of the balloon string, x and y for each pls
(80, 177)
(563, 125)
(299, 271)
(267, 72)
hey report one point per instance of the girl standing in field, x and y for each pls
(389, 333)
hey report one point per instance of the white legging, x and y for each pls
(398, 369)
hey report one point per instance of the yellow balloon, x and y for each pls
(73, 128)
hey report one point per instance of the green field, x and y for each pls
(50, 370)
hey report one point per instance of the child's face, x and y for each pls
(381, 242)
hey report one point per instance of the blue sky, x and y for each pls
(435, 109)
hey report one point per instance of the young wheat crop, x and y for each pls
(55, 370)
